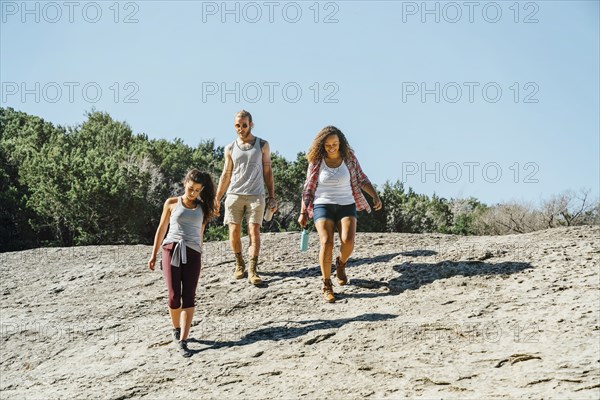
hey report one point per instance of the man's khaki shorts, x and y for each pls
(236, 205)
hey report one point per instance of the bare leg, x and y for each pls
(254, 233)
(325, 229)
(175, 314)
(347, 231)
(186, 321)
(235, 234)
(253, 250)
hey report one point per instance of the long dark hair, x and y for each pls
(207, 195)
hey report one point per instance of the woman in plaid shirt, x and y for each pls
(332, 195)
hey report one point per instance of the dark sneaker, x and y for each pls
(176, 334)
(183, 349)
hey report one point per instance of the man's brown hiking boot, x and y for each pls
(253, 277)
(240, 268)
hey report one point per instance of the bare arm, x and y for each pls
(161, 230)
(303, 218)
(373, 193)
(203, 229)
(268, 176)
(225, 178)
(267, 170)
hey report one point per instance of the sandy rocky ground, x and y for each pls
(424, 316)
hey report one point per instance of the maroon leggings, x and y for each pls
(183, 280)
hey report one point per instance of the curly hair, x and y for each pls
(207, 195)
(316, 151)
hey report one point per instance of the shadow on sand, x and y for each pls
(411, 275)
(315, 270)
(277, 333)
(414, 275)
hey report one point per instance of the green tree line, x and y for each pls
(99, 183)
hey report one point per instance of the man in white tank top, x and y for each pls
(246, 172)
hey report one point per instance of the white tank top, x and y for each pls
(334, 185)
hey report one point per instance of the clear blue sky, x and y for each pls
(497, 100)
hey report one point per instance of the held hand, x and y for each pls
(302, 219)
(273, 205)
(151, 263)
(217, 206)
(377, 203)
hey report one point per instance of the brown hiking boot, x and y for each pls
(328, 291)
(239, 269)
(253, 277)
(340, 272)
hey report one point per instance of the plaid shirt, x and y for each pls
(358, 179)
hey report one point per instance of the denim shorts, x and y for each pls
(334, 212)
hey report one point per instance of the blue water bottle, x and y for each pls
(304, 240)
